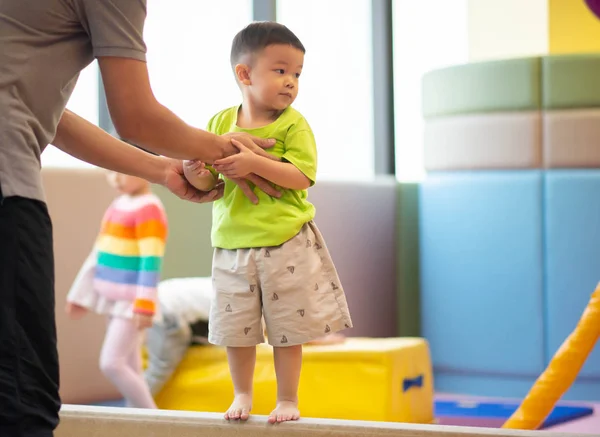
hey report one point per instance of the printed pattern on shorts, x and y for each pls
(295, 286)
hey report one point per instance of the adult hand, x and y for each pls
(255, 144)
(176, 182)
(260, 183)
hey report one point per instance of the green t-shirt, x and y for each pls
(237, 222)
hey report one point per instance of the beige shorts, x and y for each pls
(295, 286)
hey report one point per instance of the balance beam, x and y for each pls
(85, 421)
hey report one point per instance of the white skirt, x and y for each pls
(82, 293)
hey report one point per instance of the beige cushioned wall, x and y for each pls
(572, 138)
(357, 220)
(76, 218)
(483, 141)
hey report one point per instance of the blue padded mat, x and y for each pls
(481, 261)
(491, 410)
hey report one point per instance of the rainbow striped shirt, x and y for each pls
(130, 248)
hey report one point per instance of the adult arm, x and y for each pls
(140, 118)
(115, 29)
(87, 142)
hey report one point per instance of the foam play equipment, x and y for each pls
(570, 81)
(552, 102)
(407, 260)
(79, 421)
(481, 275)
(362, 379)
(571, 138)
(508, 260)
(495, 414)
(562, 370)
(483, 141)
(481, 87)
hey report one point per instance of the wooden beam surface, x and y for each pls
(85, 421)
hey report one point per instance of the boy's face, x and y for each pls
(273, 76)
(126, 184)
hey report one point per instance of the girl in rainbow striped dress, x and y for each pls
(119, 279)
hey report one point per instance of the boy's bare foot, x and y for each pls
(284, 411)
(240, 408)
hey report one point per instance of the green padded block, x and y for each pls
(188, 252)
(571, 81)
(493, 86)
(407, 269)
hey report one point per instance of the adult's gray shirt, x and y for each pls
(44, 45)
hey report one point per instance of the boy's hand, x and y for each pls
(176, 182)
(239, 165)
(198, 175)
(75, 311)
(142, 321)
(194, 167)
(254, 144)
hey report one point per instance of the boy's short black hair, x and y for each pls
(259, 35)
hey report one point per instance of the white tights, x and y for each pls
(121, 362)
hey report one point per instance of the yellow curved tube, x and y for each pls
(561, 372)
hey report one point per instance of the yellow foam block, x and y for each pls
(363, 379)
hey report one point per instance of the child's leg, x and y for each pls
(122, 338)
(135, 362)
(234, 321)
(288, 363)
(303, 300)
(241, 365)
(135, 356)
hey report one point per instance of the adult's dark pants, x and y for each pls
(29, 378)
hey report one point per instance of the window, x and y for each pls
(425, 38)
(188, 55)
(83, 102)
(336, 87)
